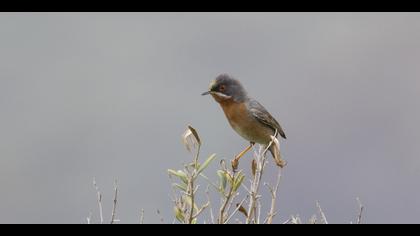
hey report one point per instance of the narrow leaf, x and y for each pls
(222, 180)
(206, 163)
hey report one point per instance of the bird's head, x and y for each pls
(225, 88)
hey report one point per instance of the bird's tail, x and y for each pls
(275, 152)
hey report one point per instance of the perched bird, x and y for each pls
(246, 116)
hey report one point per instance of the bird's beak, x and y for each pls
(205, 93)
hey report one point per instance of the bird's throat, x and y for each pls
(220, 97)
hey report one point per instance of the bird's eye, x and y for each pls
(222, 88)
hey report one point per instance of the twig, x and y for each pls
(99, 199)
(323, 218)
(142, 216)
(232, 199)
(114, 207)
(258, 216)
(201, 210)
(88, 219)
(226, 201)
(273, 198)
(210, 205)
(191, 195)
(359, 217)
(236, 209)
(260, 163)
(288, 221)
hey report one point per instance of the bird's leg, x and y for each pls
(235, 162)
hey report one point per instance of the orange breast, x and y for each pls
(235, 112)
(244, 124)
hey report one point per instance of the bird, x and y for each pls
(246, 116)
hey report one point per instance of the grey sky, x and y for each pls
(107, 95)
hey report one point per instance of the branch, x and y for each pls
(236, 209)
(191, 195)
(323, 218)
(227, 199)
(99, 199)
(359, 218)
(273, 198)
(142, 216)
(210, 205)
(260, 159)
(114, 207)
(88, 219)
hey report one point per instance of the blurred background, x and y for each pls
(108, 95)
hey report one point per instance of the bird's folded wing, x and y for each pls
(262, 115)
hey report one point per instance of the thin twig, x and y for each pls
(201, 210)
(236, 209)
(88, 219)
(359, 217)
(231, 202)
(114, 207)
(321, 212)
(142, 216)
(99, 199)
(260, 164)
(258, 216)
(210, 205)
(288, 221)
(273, 198)
(191, 195)
(226, 201)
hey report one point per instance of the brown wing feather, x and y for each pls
(262, 115)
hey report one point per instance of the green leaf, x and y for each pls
(229, 178)
(180, 174)
(187, 199)
(194, 221)
(222, 180)
(182, 187)
(179, 215)
(206, 163)
(238, 182)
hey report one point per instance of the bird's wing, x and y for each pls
(263, 116)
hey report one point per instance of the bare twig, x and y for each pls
(226, 201)
(88, 219)
(230, 204)
(313, 220)
(294, 220)
(142, 216)
(359, 217)
(236, 210)
(287, 221)
(258, 215)
(201, 210)
(260, 159)
(114, 207)
(273, 192)
(99, 199)
(191, 195)
(210, 205)
(321, 212)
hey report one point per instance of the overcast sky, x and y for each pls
(108, 95)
